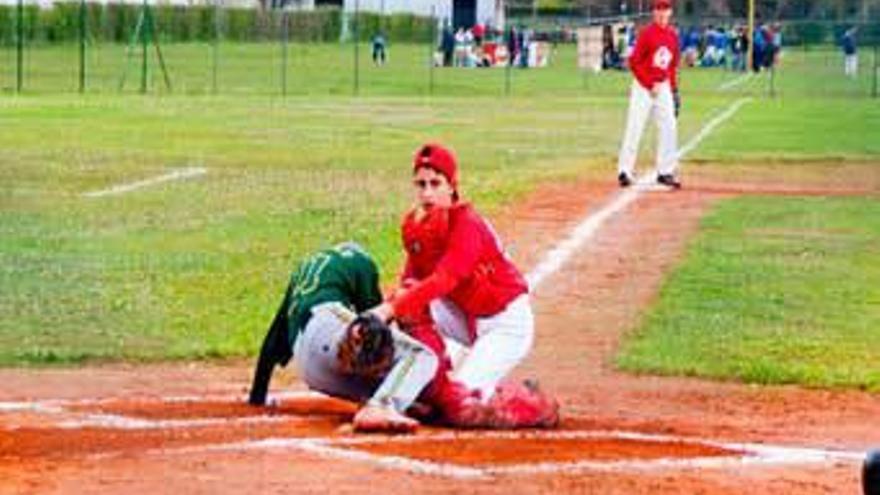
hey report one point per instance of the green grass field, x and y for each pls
(329, 69)
(193, 268)
(774, 290)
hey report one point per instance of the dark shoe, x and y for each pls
(624, 180)
(669, 180)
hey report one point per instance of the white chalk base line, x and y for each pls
(728, 85)
(183, 173)
(341, 447)
(753, 454)
(554, 259)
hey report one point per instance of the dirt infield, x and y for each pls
(184, 427)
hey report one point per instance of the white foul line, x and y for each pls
(735, 82)
(183, 173)
(709, 127)
(561, 252)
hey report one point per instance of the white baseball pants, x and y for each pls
(851, 65)
(503, 341)
(641, 105)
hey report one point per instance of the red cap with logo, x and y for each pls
(439, 158)
(662, 4)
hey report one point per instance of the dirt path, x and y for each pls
(583, 311)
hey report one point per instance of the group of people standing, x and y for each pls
(714, 46)
(483, 45)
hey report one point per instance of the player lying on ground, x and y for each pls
(338, 353)
(457, 280)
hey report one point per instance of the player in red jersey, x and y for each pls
(654, 64)
(459, 282)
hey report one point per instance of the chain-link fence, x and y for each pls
(221, 49)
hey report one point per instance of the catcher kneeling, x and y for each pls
(341, 350)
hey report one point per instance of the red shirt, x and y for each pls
(472, 271)
(655, 56)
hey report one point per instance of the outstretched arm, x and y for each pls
(275, 350)
(413, 368)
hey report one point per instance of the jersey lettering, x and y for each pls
(662, 58)
(308, 278)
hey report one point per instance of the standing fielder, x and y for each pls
(339, 353)
(654, 63)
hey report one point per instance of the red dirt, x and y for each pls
(582, 312)
(480, 452)
(151, 409)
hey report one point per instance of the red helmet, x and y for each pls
(662, 4)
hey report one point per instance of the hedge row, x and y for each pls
(117, 22)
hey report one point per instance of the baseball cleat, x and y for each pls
(624, 180)
(669, 180)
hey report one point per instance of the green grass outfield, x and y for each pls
(194, 268)
(773, 290)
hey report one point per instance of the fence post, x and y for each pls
(773, 79)
(19, 47)
(355, 29)
(876, 68)
(215, 49)
(285, 36)
(432, 40)
(82, 45)
(145, 39)
(509, 28)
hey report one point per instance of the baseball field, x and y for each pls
(718, 339)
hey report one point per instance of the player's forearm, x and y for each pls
(414, 367)
(412, 300)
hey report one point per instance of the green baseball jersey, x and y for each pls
(344, 274)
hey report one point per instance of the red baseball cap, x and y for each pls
(662, 4)
(439, 158)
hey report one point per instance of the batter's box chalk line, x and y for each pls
(71, 419)
(743, 454)
(345, 447)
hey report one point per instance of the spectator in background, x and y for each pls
(710, 55)
(459, 47)
(777, 43)
(479, 32)
(769, 47)
(722, 41)
(744, 43)
(630, 43)
(447, 45)
(512, 49)
(469, 59)
(850, 54)
(379, 43)
(691, 44)
(737, 49)
(524, 41)
(759, 49)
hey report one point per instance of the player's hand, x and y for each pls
(382, 419)
(655, 90)
(383, 311)
(676, 101)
